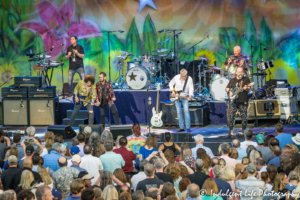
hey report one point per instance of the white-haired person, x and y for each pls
(183, 85)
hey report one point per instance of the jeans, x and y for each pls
(185, 104)
(114, 111)
(76, 110)
(72, 72)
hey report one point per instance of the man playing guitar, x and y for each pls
(241, 103)
(184, 86)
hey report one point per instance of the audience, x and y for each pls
(199, 140)
(225, 148)
(8, 176)
(81, 140)
(150, 181)
(198, 177)
(139, 176)
(149, 148)
(17, 143)
(159, 171)
(168, 144)
(43, 193)
(241, 152)
(248, 139)
(283, 138)
(76, 187)
(50, 160)
(95, 143)
(222, 186)
(266, 152)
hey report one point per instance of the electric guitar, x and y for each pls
(236, 92)
(156, 116)
(81, 100)
(177, 96)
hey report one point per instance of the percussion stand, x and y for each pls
(251, 49)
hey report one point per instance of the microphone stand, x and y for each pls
(62, 72)
(193, 47)
(149, 102)
(262, 60)
(251, 49)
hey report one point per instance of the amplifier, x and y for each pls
(28, 81)
(14, 92)
(44, 111)
(15, 111)
(290, 91)
(288, 106)
(261, 107)
(49, 91)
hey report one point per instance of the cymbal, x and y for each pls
(30, 54)
(34, 59)
(202, 58)
(44, 56)
(126, 53)
(216, 68)
(163, 55)
(120, 56)
(160, 50)
(259, 74)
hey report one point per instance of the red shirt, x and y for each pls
(128, 157)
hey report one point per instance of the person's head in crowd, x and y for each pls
(267, 141)
(138, 195)
(259, 163)
(173, 169)
(63, 149)
(225, 148)
(77, 186)
(36, 159)
(260, 139)
(236, 143)
(87, 131)
(125, 196)
(43, 172)
(119, 174)
(159, 164)
(108, 145)
(199, 165)
(188, 159)
(206, 160)
(167, 136)
(86, 177)
(136, 130)
(286, 150)
(95, 143)
(219, 151)
(183, 171)
(199, 139)
(62, 161)
(123, 141)
(253, 155)
(105, 179)
(279, 128)
(36, 148)
(153, 193)
(281, 180)
(187, 152)
(49, 139)
(29, 151)
(27, 163)
(117, 142)
(58, 194)
(67, 149)
(142, 164)
(273, 142)
(272, 172)
(233, 153)
(214, 161)
(81, 138)
(30, 131)
(44, 193)
(149, 170)
(210, 187)
(193, 191)
(56, 147)
(125, 188)
(228, 174)
(75, 142)
(97, 192)
(295, 160)
(12, 161)
(167, 190)
(169, 155)
(294, 149)
(183, 184)
(217, 171)
(285, 162)
(222, 162)
(110, 193)
(74, 150)
(245, 161)
(17, 138)
(87, 194)
(7, 153)
(76, 159)
(153, 159)
(14, 151)
(106, 136)
(293, 176)
(237, 170)
(264, 177)
(7, 196)
(276, 151)
(26, 179)
(248, 134)
(171, 197)
(183, 146)
(251, 169)
(58, 138)
(151, 142)
(249, 149)
(25, 195)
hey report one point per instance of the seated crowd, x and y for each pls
(95, 167)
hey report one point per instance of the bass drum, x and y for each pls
(217, 88)
(137, 78)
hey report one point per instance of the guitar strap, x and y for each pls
(186, 80)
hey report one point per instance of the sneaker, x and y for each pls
(188, 130)
(180, 130)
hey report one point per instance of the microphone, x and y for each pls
(120, 31)
(52, 48)
(149, 101)
(268, 48)
(161, 31)
(63, 44)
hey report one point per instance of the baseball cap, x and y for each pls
(260, 138)
(62, 147)
(85, 176)
(76, 158)
(251, 168)
(30, 149)
(74, 150)
(57, 194)
(12, 159)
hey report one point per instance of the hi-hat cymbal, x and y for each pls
(202, 58)
(163, 55)
(216, 68)
(160, 50)
(126, 53)
(44, 56)
(120, 56)
(30, 54)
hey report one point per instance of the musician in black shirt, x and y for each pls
(241, 103)
(75, 54)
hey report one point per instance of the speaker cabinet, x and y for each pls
(95, 128)
(66, 131)
(15, 111)
(124, 130)
(179, 137)
(250, 111)
(44, 111)
(261, 110)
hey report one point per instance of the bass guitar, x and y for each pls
(81, 100)
(236, 92)
(156, 116)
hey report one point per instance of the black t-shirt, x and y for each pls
(144, 185)
(164, 177)
(78, 61)
(243, 95)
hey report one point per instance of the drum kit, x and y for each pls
(142, 72)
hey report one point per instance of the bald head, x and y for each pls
(27, 162)
(193, 190)
(62, 161)
(236, 143)
(237, 50)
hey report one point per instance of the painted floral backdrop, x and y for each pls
(37, 25)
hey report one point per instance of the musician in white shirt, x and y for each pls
(179, 82)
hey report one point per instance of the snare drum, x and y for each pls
(137, 78)
(217, 88)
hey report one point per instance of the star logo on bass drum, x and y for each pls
(132, 77)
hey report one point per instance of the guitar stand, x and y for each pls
(176, 118)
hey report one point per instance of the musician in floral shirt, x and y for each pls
(106, 96)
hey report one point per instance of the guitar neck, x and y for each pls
(182, 97)
(157, 99)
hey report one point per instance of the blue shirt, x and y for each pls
(242, 153)
(223, 187)
(275, 161)
(284, 139)
(145, 152)
(112, 161)
(73, 198)
(79, 168)
(51, 160)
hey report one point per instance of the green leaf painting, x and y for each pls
(149, 35)
(133, 42)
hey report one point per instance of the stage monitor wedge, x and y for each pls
(66, 131)
(124, 130)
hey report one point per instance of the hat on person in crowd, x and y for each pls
(29, 149)
(57, 194)
(251, 168)
(62, 147)
(74, 150)
(76, 158)
(85, 176)
(260, 138)
(296, 139)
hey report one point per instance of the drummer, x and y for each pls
(237, 59)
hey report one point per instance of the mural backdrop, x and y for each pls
(37, 25)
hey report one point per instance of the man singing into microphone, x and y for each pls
(75, 54)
